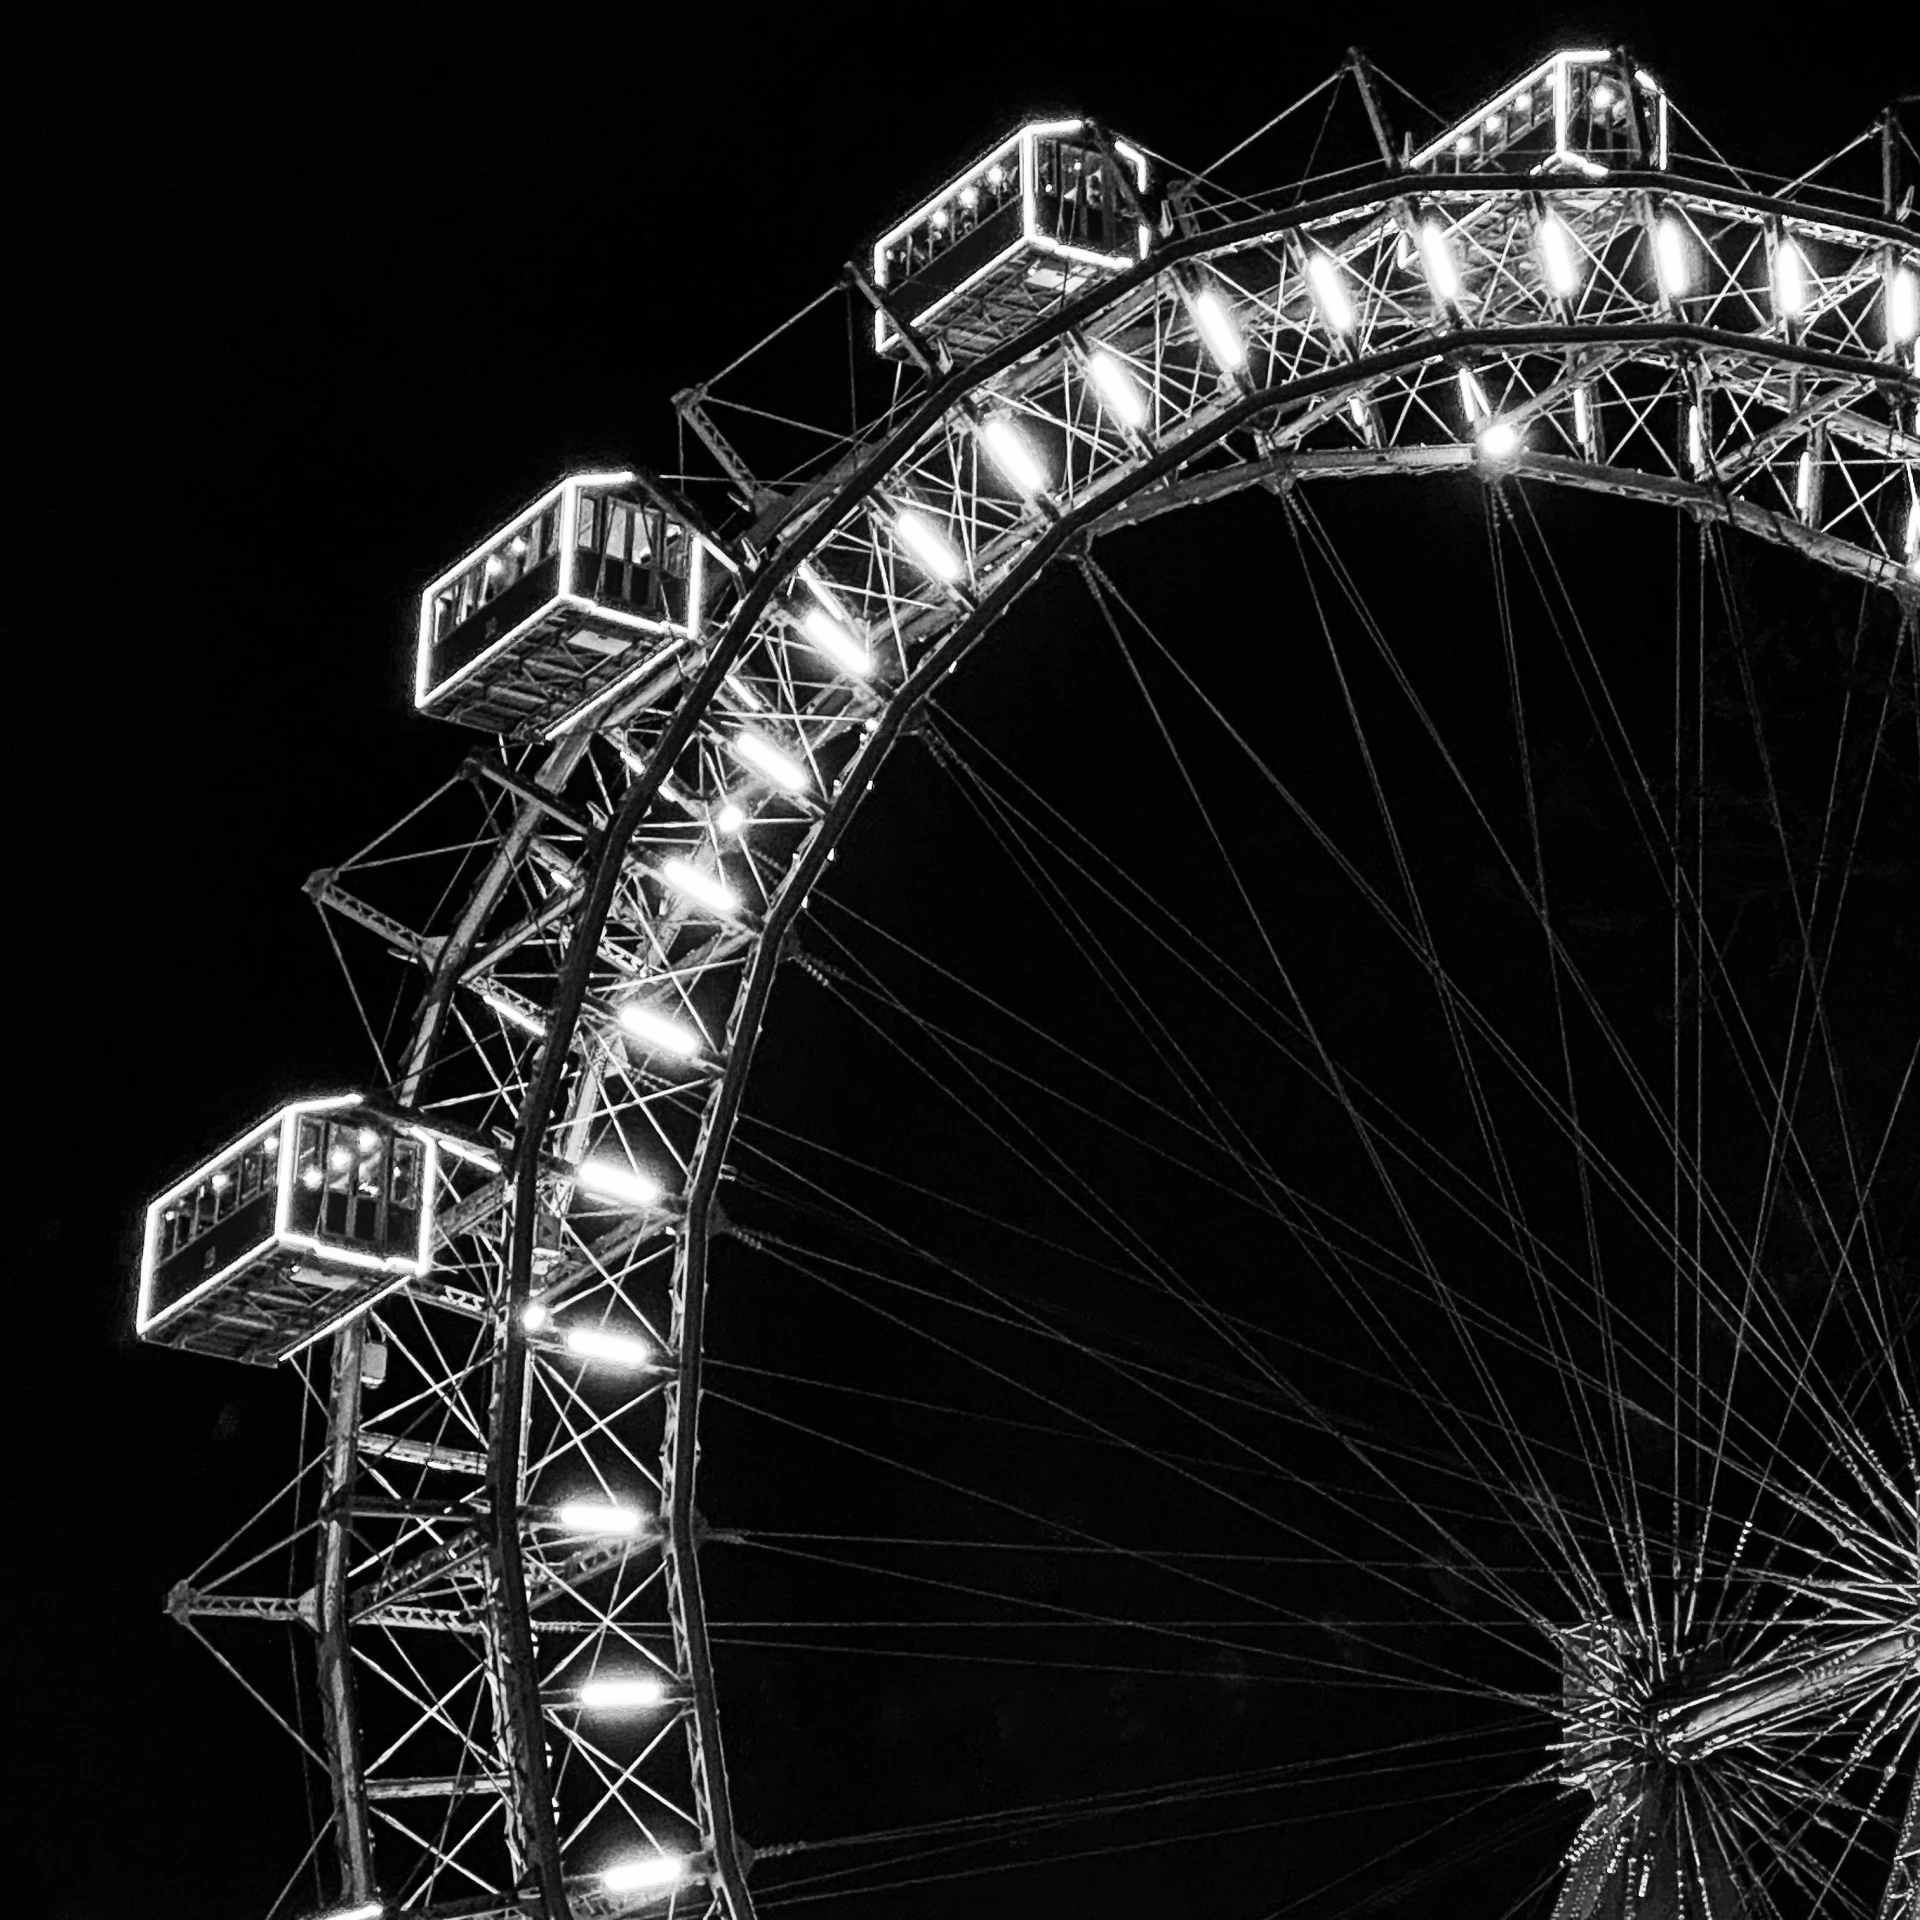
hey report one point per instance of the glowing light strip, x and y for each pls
(494, 541)
(408, 1267)
(1019, 147)
(567, 493)
(1029, 198)
(474, 1156)
(403, 1269)
(144, 1321)
(352, 1311)
(704, 889)
(251, 1137)
(429, 1186)
(1043, 243)
(522, 1017)
(143, 1317)
(927, 208)
(602, 610)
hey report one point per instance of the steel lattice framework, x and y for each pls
(1408, 316)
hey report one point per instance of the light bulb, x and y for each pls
(614, 1693)
(1217, 329)
(1012, 455)
(1903, 305)
(1670, 257)
(1329, 291)
(1789, 280)
(1442, 275)
(616, 1349)
(628, 1185)
(1115, 386)
(781, 769)
(928, 545)
(648, 1870)
(703, 888)
(836, 643)
(598, 1517)
(1559, 256)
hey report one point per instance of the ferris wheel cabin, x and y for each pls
(1028, 225)
(300, 1224)
(1579, 111)
(581, 596)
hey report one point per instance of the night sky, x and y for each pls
(316, 298)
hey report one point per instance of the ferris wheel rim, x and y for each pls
(940, 656)
(952, 643)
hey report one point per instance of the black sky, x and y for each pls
(307, 312)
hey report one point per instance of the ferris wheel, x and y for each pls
(1353, 1301)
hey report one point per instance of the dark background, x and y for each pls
(298, 333)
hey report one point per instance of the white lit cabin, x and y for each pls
(552, 617)
(1581, 111)
(300, 1224)
(1028, 225)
